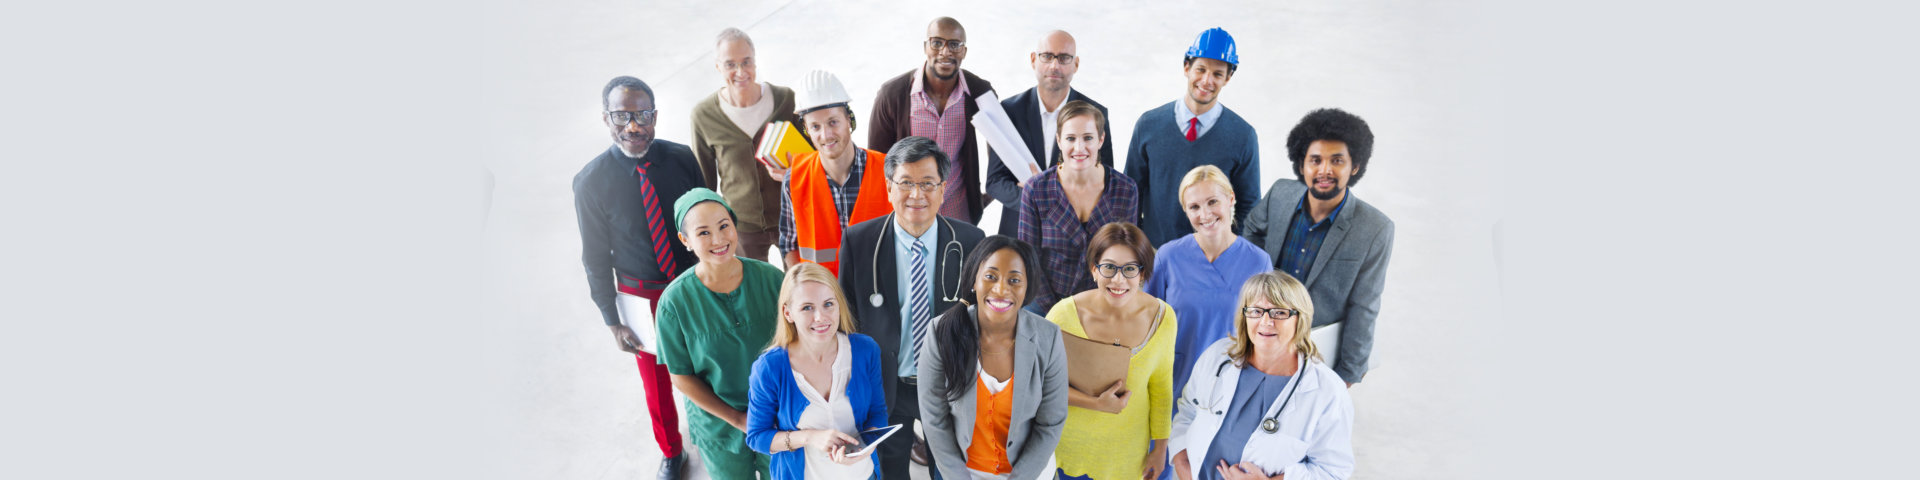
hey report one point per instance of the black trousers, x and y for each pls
(896, 453)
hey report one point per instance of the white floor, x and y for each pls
(577, 401)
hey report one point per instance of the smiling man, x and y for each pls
(936, 101)
(832, 187)
(629, 245)
(1195, 130)
(1320, 233)
(902, 271)
(1035, 114)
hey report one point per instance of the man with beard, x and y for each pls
(1317, 231)
(1035, 114)
(1195, 130)
(629, 244)
(937, 101)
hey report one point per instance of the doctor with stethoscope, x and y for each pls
(1261, 403)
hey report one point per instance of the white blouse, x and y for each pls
(832, 414)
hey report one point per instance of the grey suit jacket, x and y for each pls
(1349, 271)
(1039, 402)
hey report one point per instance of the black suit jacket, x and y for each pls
(1024, 110)
(859, 267)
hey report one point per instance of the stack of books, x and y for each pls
(778, 141)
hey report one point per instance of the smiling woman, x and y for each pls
(817, 391)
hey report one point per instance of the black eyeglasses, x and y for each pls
(1131, 270)
(1276, 313)
(1058, 58)
(955, 45)
(622, 118)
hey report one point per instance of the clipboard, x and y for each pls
(1093, 366)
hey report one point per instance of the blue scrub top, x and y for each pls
(1203, 294)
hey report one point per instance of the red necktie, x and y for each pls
(656, 224)
(1193, 129)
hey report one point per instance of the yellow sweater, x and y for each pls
(1106, 446)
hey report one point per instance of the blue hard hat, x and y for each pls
(1216, 44)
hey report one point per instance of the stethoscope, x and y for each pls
(952, 245)
(1271, 424)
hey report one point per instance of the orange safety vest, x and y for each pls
(816, 219)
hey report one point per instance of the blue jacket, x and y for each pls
(774, 403)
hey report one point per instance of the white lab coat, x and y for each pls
(1315, 437)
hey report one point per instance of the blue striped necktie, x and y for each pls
(921, 300)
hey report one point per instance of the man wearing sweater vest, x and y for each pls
(1196, 130)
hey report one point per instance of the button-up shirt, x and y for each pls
(1049, 129)
(902, 254)
(615, 236)
(948, 129)
(844, 196)
(1303, 239)
(1181, 114)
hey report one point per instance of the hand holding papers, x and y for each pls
(993, 124)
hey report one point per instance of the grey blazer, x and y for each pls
(1039, 402)
(1349, 271)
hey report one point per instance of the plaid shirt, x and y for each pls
(1303, 240)
(948, 129)
(1047, 221)
(843, 199)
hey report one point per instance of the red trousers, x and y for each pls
(659, 385)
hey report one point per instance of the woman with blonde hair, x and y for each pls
(816, 389)
(1198, 274)
(1262, 402)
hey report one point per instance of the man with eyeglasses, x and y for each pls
(726, 132)
(937, 101)
(1320, 233)
(1034, 114)
(832, 187)
(910, 262)
(629, 244)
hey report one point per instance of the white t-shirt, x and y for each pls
(1049, 126)
(832, 414)
(751, 117)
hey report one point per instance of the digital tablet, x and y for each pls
(884, 432)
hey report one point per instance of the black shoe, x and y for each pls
(674, 468)
(920, 454)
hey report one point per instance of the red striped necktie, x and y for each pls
(656, 224)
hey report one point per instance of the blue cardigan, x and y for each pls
(774, 403)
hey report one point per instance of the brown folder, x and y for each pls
(1093, 367)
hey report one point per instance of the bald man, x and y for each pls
(1034, 114)
(936, 100)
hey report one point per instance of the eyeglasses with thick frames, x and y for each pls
(935, 43)
(1055, 58)
(622, 118)
(1131, 270)
(1277, 313)
(923, 187)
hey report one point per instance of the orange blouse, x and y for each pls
(993, 416)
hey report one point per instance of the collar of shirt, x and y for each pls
(1181, 114)
(919, 91)
(1301, 209)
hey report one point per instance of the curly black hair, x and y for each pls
(1331, 124)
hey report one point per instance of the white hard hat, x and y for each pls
(819, 89)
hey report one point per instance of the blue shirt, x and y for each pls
(1303, 239)
(1255, 393)
(902, 254)
(1203, 294)
(1181, 114)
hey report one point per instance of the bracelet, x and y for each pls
(789, 441)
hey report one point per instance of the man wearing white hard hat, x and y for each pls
(1195, 130)
(837, 185)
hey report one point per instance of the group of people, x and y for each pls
(1245, 317)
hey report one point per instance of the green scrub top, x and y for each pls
(717, 336)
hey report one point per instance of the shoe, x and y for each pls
(920, 454)
(674, 468)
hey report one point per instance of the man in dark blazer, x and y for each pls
(929, 94)
(876, 272)
(1320, 233)
(1034, 113)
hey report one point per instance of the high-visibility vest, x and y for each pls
(816, 219)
